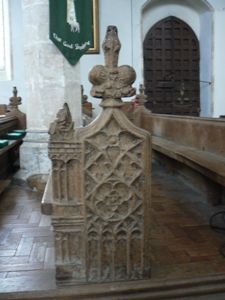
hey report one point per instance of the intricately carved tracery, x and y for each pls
(101, 184)
(114, 205)
(65, 166)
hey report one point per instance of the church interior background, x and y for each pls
(176, 48)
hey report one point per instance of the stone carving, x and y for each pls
(141, 113)
(101, 185)
(86, 108)
(67, 210)
(65, 167)
(14, 101)
(70, 257)
(142, 98)
(62, 127)
(13, 110)
(111, 81)
(117, 174)
(114, 204)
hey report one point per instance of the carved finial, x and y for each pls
(142, 96)
(14, 91)
(14, 101)
(111, 47)
(62, 127)
(84, 97)
(111, 82)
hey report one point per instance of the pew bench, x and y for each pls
(9, 156)
(9, 151)
(12, 131)
(208, 164)
(193, 147)
(198, 144)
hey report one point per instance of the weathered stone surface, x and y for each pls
(116, 195)
(49, 79)
(62, 127)
(111, 81)
(101, 185)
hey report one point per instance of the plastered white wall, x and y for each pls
(206, 64)
(219, 64)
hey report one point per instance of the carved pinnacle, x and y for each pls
(63, 127)
(111, 47)
(14, 101)
(111, 82)
(142, 96)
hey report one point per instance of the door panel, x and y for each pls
(171, 68)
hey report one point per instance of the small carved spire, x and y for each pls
(111, 47)
(14, 101)
(62, 127)
(142, 98)
(111, 82)
(84, 97)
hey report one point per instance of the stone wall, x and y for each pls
(50, 80)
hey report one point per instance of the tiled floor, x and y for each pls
(183, 245)
(26, 242)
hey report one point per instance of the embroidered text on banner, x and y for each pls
(71, 27)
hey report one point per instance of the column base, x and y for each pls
(34, 162)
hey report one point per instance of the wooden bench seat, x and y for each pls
(207, 163)
(195, 147)
(12, 128)
(9, 156)
(7, 124)
(191, 146)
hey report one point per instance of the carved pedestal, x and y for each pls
(101, 185)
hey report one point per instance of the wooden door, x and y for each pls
(171, 68)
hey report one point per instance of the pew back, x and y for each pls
(205, 134)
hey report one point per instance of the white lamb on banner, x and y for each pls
(71, 16)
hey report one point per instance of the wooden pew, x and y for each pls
(193, 147)
(9, 155)
(10, 120)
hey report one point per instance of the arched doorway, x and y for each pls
(171, 68)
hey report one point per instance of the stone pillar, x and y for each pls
(50, 81)
(101, 184)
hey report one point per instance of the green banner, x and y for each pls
(71, 27)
